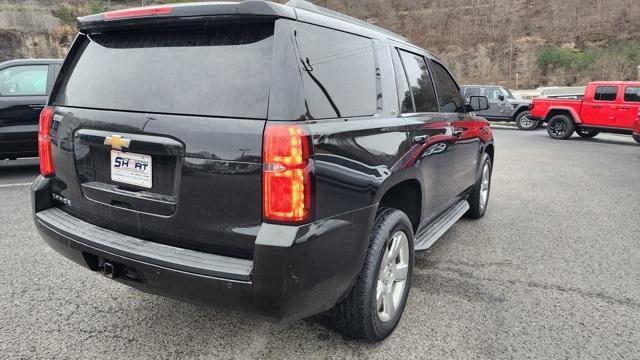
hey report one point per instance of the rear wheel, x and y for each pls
(479, 195)
(525, 122)
(375, 304)
(587, 133)
(560, 127)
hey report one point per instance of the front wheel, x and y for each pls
(373, 307)
(525, 122)
(479, 194)
(560, 127)
(587, 133)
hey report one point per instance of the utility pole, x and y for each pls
(638, 72)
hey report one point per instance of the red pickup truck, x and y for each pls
(607, 106)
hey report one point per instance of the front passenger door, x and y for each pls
(497, 103)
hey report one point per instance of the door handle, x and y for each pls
(624, 108)
(421, 139)
(596, 106)
(457, 132)
(37, 107)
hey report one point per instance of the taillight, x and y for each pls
(286, 195)
(44, 142)
(138, 12)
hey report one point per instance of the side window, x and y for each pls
(339, 73)
(448, 91)
(492, 94)
(632, 94)
(424, 96)
(404, 92)
(606, 93)
(469, 92)
(24, 80)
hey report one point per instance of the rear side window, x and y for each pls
(448, 92)
(632, 94)
(214, 71)
(606, 93)
(424, 96)
(469, 92)
(24, 80)
(339, 73)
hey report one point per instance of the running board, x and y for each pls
(444, 222)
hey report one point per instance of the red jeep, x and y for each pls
(607, 106)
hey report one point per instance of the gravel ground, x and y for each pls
(552, 272)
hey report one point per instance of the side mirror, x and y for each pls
(479, 103)
(501, 97)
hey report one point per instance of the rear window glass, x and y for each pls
(606, 93)
(214, 71)
(339, 73)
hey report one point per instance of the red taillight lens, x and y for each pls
(138, 12)
(44, 142)
(286, 174)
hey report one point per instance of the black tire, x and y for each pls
(561, 127)
(587, 133)
(477, 204)
(357, 315)
(636, 138)
(524, 122)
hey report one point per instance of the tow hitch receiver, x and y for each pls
(108, 270)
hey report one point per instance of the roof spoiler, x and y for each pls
(193, 12)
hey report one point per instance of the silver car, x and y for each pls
(503, 106)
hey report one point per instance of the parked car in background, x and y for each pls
(607, 106)
(503, 106)
(295, 173)
(25, 86)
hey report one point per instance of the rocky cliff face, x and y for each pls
(510, 42)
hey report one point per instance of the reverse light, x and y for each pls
(138, 12)
(286, 195)
(44, 142)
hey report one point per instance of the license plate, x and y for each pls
(130, 168)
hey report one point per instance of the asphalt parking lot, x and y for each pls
(552, 271)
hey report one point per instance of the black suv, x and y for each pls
(282, 160)
(25, 86)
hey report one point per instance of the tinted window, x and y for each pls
(404, 93)
(24, 80)
(424, 97)
(216, 71)
(339, 73)
(448, 92)
(606, 93)
(632, 94)
(472, 92)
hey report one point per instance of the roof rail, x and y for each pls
(308, 6)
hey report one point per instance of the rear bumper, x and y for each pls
(19, 140)
(296, 272)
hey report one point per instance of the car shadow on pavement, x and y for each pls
(606, 141)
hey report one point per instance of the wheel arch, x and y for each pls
(404, 194)
(520, 109)
(568, 111)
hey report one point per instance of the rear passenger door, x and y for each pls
(23, 93)
(429, 130)
(466, 132)
(601, 110)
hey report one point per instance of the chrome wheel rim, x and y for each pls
(484, 186)
(392, 278)
(526, 121)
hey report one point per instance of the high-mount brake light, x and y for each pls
(44, 142)
(138, 12)
(286, 177)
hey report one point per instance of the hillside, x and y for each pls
(532, 42)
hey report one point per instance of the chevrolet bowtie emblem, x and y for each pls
(117, 142)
